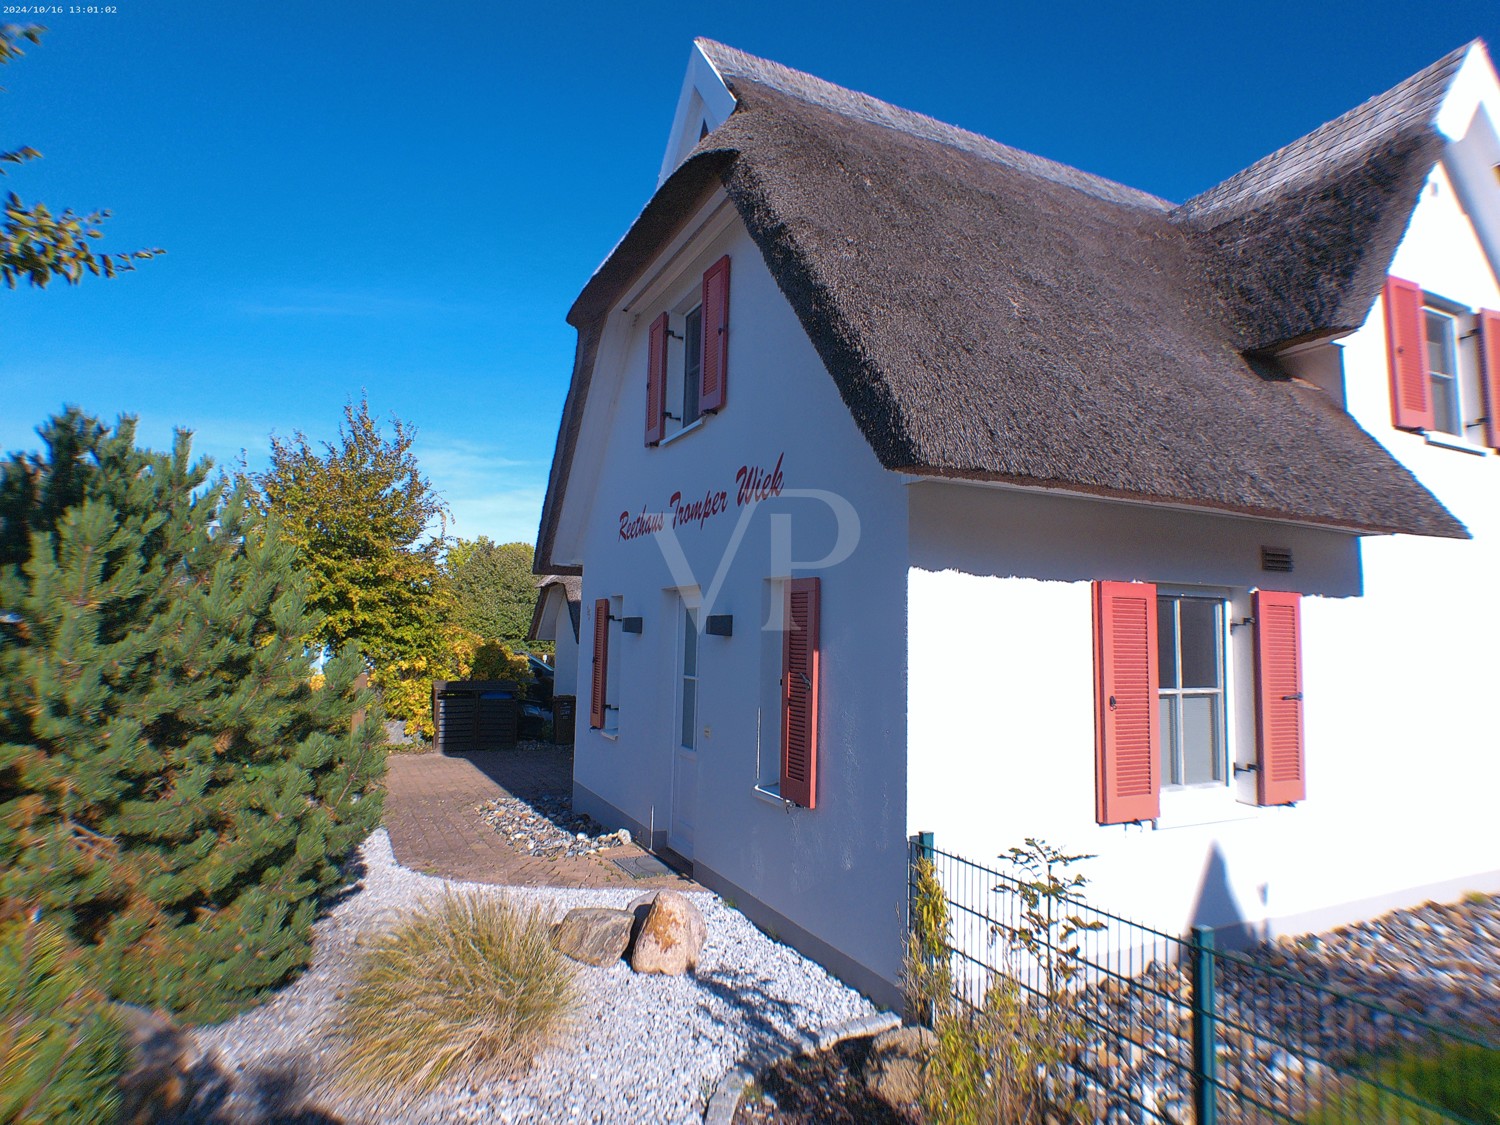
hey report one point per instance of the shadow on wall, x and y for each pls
(1216, 905)
(1433, 962)
(996, 533)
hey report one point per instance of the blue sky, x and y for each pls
(404, 199)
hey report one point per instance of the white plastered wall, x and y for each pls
(1403, 758)
(836, 872)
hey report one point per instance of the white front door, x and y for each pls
(684, 733)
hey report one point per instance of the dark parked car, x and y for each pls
(532, 721)
(540, 688)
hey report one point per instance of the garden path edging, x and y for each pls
(726, 1096)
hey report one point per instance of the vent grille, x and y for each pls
(1276, 558)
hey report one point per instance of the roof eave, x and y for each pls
(1442, 525)
(670, 207)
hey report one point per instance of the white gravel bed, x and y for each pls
(642, 1048)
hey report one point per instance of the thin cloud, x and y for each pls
(487, 492)
(331, 303)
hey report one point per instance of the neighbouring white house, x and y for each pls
(921, 484)
(555, 618)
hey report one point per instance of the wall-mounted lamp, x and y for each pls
(630, 624)
(719, 625)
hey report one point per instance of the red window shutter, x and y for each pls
(601, 664)
(1281, 778)
(715, 368)
(799, 694)
(656, 381)
(1406, 342)
(1489, 353)
(1127, 716)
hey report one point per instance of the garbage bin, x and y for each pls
(563, 710)
(474, 715)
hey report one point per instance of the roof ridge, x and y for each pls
(733, 62)
(1415, 98)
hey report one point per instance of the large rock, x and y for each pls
(594, 935)
(670, 938)
(162, 1075)
(893, 1071)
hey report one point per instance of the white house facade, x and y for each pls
(918, 484)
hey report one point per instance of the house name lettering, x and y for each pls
(752, 484)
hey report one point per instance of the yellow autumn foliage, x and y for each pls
(456, 654)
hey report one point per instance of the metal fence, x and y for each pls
(1173, 1029)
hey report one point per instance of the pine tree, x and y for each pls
(61, 1052)
(174, 794)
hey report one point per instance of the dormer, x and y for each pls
(704, 104)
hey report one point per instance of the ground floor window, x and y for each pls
(687, 737)
(1190, 659)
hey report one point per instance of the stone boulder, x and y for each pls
(595, 935)
(669, 936)
(163, 1071)
(893, 1070)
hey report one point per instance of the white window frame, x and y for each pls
(680, 364)
(1190, 806)
(1440, 381)
(1468, 393)
(768, 715)
(1223, 764)
(687, 624)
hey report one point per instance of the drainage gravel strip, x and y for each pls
(641, 1048)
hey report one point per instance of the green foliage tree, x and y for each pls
(61, 1053)
(174, 795)
(36, 244)
(494, 590)
(359, 512)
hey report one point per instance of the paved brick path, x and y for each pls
(430, 812)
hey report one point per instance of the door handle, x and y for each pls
(1294, 695)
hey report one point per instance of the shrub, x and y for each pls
(174, 796)
(1007, 1057)
(1462, 1080)
(467, 987)
(60, 1052)
(495, 661)
(453, 654)
(1463, 1077)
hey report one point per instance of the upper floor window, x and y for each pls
(692, 365)
(1445, 366)
(687, 370)
(1442, 369)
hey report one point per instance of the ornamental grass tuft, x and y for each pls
(468, 987)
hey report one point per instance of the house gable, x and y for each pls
(704, 104)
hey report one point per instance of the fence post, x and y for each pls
(919, 847)
(1205, 1088)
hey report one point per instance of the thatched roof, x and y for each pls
(989, 314)
(1302, 238)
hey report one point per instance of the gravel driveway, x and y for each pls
(643, 1048)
